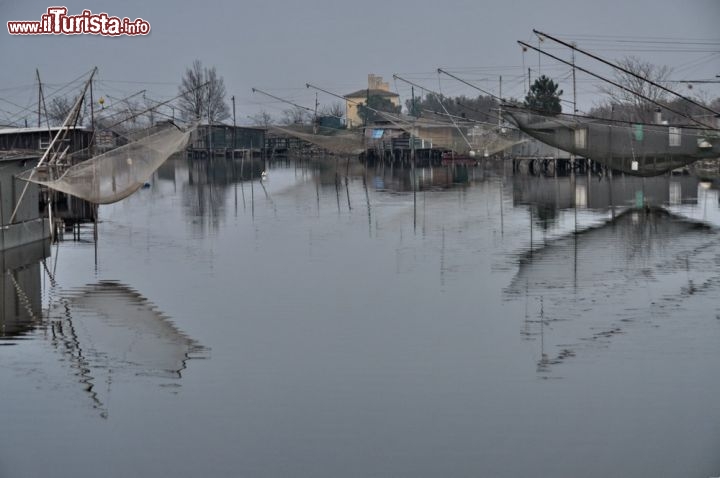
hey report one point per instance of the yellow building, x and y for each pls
(376, 87)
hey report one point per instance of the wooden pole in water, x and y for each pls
(337, 189)
(529, 79)
(414, 177)
(234, 145)
(2, 224)
(92, 119)
(252, 186)
(500, 105)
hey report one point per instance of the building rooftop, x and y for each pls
(42, 129)
(365, 92)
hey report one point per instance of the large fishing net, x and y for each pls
(481, 140)
(635, 148)
(332, 140)
(461, 137)
(116, 174)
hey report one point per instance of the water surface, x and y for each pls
(329, 321)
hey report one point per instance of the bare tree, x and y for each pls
(202, 94)
(628, 103)
(336, 109)
(262, 119)
(295, 115)
(59, 108)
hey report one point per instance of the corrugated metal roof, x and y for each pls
(39, 130)
(364, 93)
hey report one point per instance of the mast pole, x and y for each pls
(73, 113)
(624, 70)
(614, 83)
(37, 72)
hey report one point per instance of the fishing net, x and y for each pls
(461, 137)
(483, 140)
(635, 148)
(330, 139)
(116, 174)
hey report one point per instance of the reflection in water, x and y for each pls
(208, 180)
(548, 196)
(108, 329)
(20, 285)
(580, 282)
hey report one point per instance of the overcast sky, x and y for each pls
(281, 45)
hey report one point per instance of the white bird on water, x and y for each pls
(263, 176)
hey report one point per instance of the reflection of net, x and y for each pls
(332, 140)
(116, 327)
(115, 175)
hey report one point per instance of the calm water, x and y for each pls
(314, 325)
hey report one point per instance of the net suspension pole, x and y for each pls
(63, 128)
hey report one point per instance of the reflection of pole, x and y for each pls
(575, 238)
(414, 177)
(347, 191)
(543, 356)
(502, 225)
(531, 229)
(575, 191)
(367, 202)
(317, 195)
(610, 188)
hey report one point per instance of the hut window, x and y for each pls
(674, 136)
(581, 138)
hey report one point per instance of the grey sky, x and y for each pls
(281, 45)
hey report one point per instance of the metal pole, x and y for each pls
(529, 84)
(234, 145)
(575, 110)
(52, 144)
(37, 72)
(624, 70)
(412, 96)
(618, 85)
(500, 106)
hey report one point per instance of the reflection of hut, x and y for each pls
(20, 287)
(593, 194)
